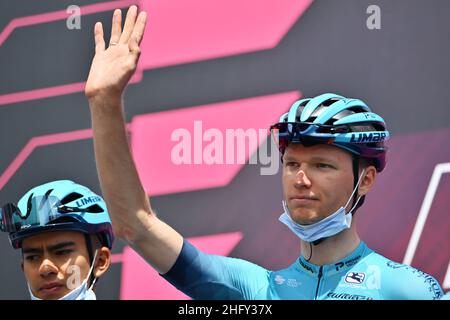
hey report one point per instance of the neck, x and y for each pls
(332, 249)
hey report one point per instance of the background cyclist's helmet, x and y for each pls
(333, 119)
(58, 206)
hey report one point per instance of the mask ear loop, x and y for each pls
(310, 251)
(93, 283)
(353, 193)
(91, 269)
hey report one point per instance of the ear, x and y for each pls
(21, 265)
(367, 181)
(103, 262)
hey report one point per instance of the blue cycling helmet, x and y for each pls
(58, 206)
(332, 119)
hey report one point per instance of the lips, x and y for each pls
(51, 287)
(301, 200)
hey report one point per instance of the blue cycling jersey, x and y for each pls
(363, 275)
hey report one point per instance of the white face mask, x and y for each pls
(330, 226)
(81, 292)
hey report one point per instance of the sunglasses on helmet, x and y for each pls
(40, 211)
(305, 133)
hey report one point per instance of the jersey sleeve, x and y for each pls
(406, 282)
(446, 296)
(205, 276)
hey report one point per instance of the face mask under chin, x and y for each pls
(327, 227)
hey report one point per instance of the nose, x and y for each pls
(301, 179)
(47, 268)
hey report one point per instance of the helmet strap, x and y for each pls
(91, 255)
(355, 163)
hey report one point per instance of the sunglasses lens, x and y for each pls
(41, 211)
(280, 135)
(7, 215)
(285, 133)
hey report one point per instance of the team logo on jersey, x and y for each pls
(347, 296)
(294, 283)
(279, 279)
(355, 277)
(395, 265)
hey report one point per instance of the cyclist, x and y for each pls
(65, 234)
(332, 149)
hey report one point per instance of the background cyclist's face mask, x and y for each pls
(330, 226)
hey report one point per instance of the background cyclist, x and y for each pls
(65, 234)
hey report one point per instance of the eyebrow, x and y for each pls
(288, 157)
(314, 158)
(323, 159)
(57, 246)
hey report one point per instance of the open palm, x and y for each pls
(113, 67)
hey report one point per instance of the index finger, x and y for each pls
(98, 36)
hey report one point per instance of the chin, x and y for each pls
(304, 217)
(53, 295)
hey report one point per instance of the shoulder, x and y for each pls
(206, 263)
(241, 266)
(206, 276)
(446, 296)
(400, 281)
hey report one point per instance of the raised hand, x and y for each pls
(113, 67)
(132, 217)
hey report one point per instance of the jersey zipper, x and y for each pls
(318, 281)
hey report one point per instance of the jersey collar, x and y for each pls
(340, 266)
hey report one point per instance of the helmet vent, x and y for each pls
(94, 209)
(71, 197)
(328, 102)
(64, 219)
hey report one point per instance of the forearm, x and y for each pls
(118, 177)
(128, 203)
